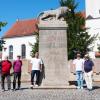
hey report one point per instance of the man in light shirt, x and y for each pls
(78, 63)
(36, 69)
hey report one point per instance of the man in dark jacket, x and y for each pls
(88, 72)
(5, 73)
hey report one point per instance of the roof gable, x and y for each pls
(89, 17)
(22, 28)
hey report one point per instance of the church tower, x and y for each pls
(92, 8)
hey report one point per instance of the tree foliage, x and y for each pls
(99, 48)
(1, 44)
(35, 46)
(2, 24)
(78, 39)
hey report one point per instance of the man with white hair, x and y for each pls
(88, 72)
(5, 73)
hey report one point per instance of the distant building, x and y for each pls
(93, 21)
(18, 39)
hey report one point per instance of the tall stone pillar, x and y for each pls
(53, 51)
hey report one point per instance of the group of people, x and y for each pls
(84, 67)
(6, 65)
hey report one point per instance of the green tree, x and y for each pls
(1, 44)
(35, 47)
(2, 24)
(99, 48)
(78, 39)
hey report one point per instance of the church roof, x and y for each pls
(83, 13)
(22, 28)
(89, 17)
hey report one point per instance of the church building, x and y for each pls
(92, 8)
(18, 38)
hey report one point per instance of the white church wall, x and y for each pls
(92, 8)
(93, 26)
(16, 42)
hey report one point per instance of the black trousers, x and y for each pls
(37, 72)
(7, 76)
(17, 75)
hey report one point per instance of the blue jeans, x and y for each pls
(79, 77)
(37, 72)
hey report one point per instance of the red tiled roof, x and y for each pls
(83, 14)
(22, 28)
(97, 54)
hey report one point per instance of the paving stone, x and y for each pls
(51, 94)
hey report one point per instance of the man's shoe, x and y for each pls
(31, 87)
(81, 87)
(18, 88)
(36, 85)
(78, 87)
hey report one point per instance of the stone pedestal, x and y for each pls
(53, 51)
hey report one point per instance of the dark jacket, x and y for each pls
(88, 65)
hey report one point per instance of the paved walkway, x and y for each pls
(51, 94)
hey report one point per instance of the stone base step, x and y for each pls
(55, 87)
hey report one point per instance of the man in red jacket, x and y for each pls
(5, 73)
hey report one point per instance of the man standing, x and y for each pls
(17, 66)
(88, 72)
(36, 69)
(5, 73)
(78, 63)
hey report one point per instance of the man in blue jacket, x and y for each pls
(88, 72)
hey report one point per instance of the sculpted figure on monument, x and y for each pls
(55, 14)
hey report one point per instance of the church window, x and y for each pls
(10, 52)
(23, 51)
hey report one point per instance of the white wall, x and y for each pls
(94, 28)
(16, 42)
(92, 8)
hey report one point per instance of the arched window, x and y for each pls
(23, 51)
(10, 52)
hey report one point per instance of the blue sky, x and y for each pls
(10, 10)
